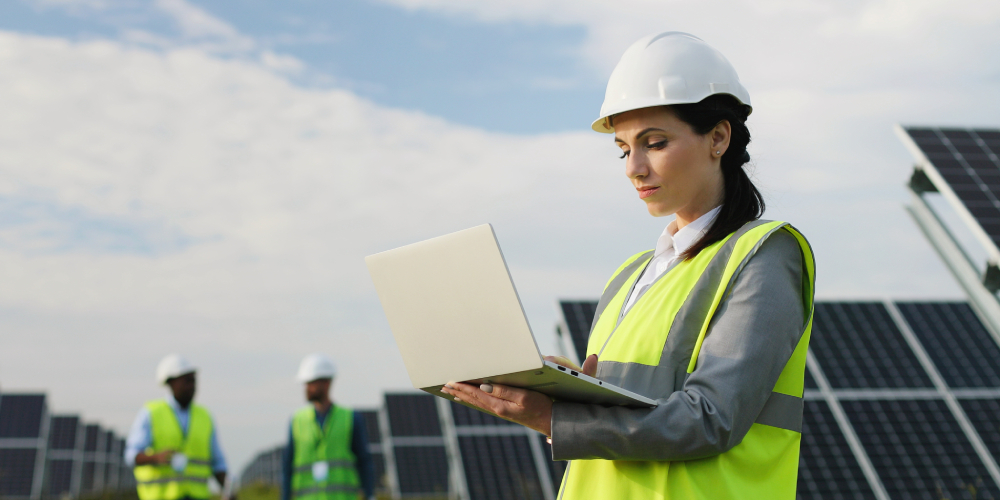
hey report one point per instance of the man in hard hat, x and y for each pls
(327, 454)
(173, 446)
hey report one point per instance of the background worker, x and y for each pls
(327, 454)
(173, 445)
(713, 324)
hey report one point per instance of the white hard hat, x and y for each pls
(171, 366)
(668, 68)
(316, 366)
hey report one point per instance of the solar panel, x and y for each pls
(967, 160)
(858, 345)
(958, 343)
(919, 450)
(17, 471)
(984, 414)
(412, 415)
(63, 431)
(422, 469)
(578, 316)
(21, 415)
(59, 478)
(500, 468)
(465, 416)
(90, 437)
(827, 467)
(87, 482)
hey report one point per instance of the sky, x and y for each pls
(206, 177)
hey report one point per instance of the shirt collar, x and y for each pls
(175, 405)
(679, 241)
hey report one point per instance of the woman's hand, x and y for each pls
(528, 408)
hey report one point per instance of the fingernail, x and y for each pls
(456, 399)
(486, 388)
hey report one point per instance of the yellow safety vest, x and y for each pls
(765, 464)
(162, 482)
(324, 467)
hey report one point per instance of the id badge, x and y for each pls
(320, 471)
(179, 462)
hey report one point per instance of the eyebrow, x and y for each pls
(643, 132)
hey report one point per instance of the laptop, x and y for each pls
(456, 316)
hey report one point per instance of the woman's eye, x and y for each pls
(657, 145)
(624, 154)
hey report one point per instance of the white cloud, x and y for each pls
(196, 24)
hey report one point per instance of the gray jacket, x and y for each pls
(749, 341)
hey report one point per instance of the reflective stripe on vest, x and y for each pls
(162, 482)
(332, 445)
(654, 346)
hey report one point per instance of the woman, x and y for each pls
(714, 323)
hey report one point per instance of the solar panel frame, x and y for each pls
(947, 168)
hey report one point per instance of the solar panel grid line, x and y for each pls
(992, 153)
(391, 475)
(874, 481)
(982, 301)
(944, 186)
(459, 488)
(956, 409)
(959, 344)
(490, 430)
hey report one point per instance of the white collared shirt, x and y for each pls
(670, 245)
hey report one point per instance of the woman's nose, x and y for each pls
(635, 166)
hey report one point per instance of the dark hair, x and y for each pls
(741, 201)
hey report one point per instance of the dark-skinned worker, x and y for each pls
(713, 323)
(173, 445)
(327, 454)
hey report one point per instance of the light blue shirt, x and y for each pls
(140, 436)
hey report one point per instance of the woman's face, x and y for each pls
(673, 169)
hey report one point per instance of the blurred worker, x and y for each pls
(327, 454)
(173, 445)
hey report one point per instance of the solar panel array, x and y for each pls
(902, 401)
(967, 161)
(43, 455)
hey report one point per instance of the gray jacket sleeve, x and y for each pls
(748, 343)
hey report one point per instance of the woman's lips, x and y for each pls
(647, 191)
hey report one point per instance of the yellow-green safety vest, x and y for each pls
(330, 445)
(765, 464)
(162, 482)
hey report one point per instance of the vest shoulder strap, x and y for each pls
(616, 282)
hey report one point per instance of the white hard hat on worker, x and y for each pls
(173, 366)
(315, 367)
(664, 69)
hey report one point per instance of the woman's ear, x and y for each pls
(721, 134)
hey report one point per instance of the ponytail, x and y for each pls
(741, 202)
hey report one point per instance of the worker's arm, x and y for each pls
(286, 467)
(140, 438)
(752, 337)
(363, 458)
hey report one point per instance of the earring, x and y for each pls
(717, 153)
